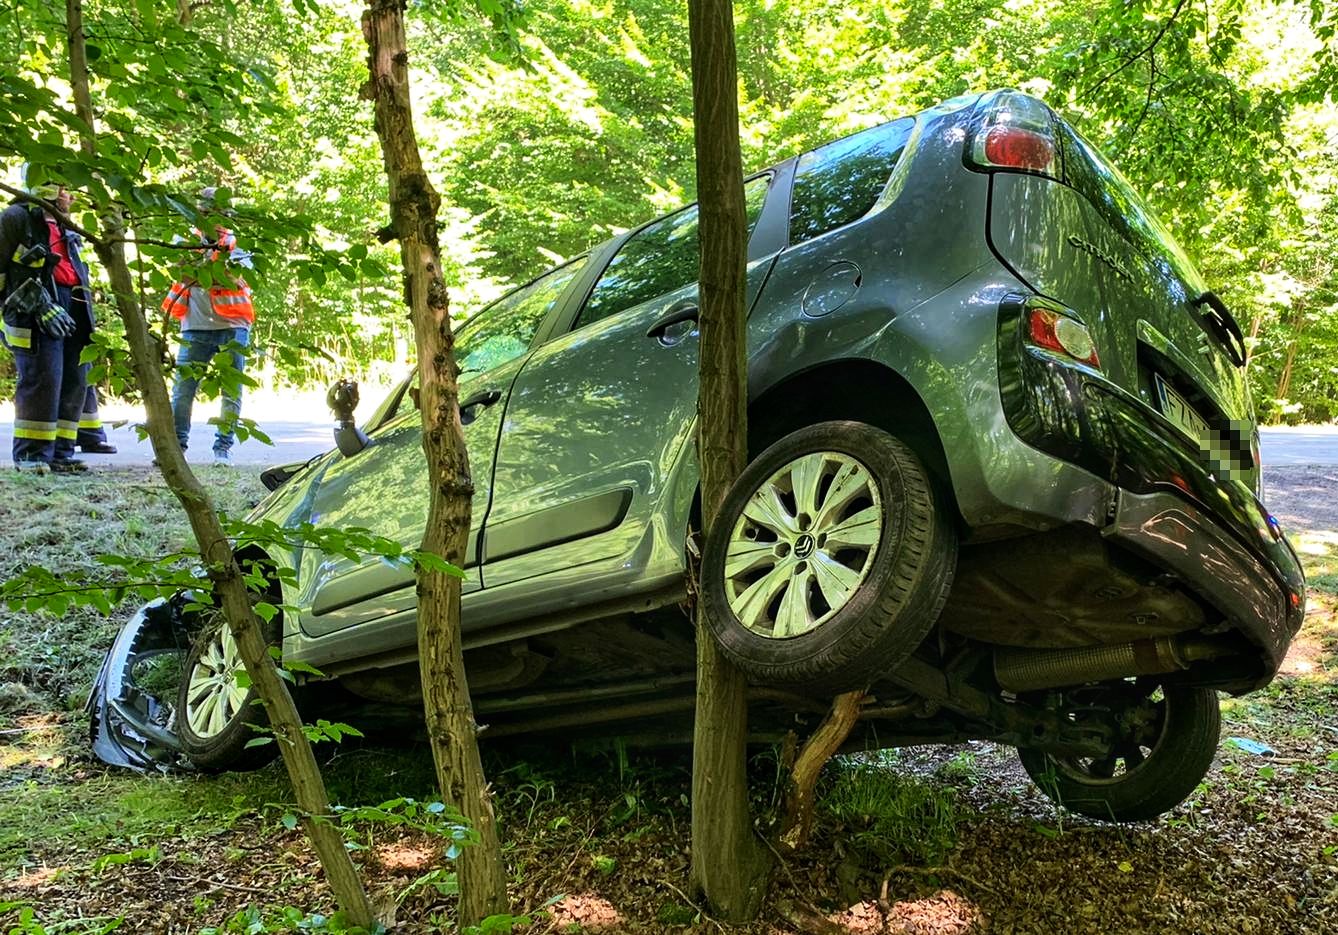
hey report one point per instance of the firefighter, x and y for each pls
(48, 318)
(214, 319)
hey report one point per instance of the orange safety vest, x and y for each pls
(233, 303)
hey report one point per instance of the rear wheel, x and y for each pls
(216, 717)
(829, 561)
(1166, 737)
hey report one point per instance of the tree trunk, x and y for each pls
(728, 865)
(224, 572)
(450, 715)
(818, 749)
(1297, 324)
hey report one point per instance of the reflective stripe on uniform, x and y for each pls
(90, 424)
(18, 337)
(177, 302)
(66, 429)
(38, 431)
(20, 250)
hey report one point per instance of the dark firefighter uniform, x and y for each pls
(48, 318)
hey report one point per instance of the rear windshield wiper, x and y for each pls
(1223, 326)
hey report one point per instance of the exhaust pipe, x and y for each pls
(1026, 670)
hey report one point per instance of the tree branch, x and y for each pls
(1161, 34)
(94, 239)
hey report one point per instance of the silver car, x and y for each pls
(1004, 473)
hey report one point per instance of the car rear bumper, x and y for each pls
(1261, 597)
(1212, 534)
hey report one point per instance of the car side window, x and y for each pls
(840, 182)
(505, 329)
(658, 259)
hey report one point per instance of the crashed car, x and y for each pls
(1004, 474)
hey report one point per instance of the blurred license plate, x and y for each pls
(1176, 408)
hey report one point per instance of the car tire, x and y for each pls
(829, 560)
(1173, 756)
(216, 719)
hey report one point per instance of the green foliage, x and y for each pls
(34, 588)
(433, 818)
(26, 922)
(556, 123)
(671, 913)
(148, 855)
(254, 921)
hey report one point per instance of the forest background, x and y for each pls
(573, 122)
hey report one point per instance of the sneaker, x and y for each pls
(98, 448)
(32, 467)
(68, 466)
(222, 459)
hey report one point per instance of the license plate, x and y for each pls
(1176, 408)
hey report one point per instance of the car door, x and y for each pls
(383, 488)
(598, 421)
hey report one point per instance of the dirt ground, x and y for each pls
(1303, 497)
(597, 840)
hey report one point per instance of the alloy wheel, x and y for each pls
(213, 696)
(804, 545)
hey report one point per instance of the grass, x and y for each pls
(62, 523)
(48, 663)
(886, 816)
(119, 810)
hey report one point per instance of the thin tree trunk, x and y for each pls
(728, 864)
(450, 715)
(1296, 323)
(818, 749)
(216, 551)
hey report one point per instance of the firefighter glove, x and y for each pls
(56, 322)
(26, 302)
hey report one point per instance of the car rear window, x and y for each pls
(841, 182)
(1110, 193)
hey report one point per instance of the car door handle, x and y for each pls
(485, 398)
(679, 312)
(469, 409)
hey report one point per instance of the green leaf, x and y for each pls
(304, 667)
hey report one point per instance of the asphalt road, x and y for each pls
(1301, 444)
(300, 429)
(298, 424)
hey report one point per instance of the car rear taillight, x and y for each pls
(1014, 131)
(1055, 331)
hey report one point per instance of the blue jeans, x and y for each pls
(198, 347)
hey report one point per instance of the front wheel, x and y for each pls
(216, 716)
(829, 560)
(1165, 740)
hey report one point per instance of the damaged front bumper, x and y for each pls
(131, 723)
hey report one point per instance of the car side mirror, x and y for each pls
(275, 477)
(342, 400)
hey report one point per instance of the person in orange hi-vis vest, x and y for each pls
(215, 320)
